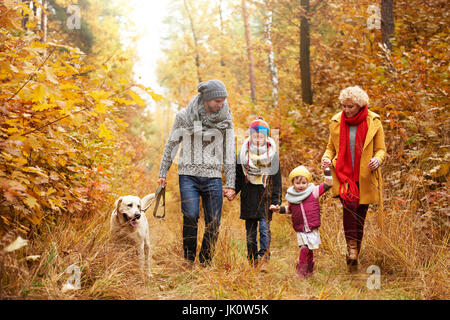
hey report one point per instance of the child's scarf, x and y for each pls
(256, 160)
(348, 190)
(296, 197)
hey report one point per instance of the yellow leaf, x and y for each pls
(21, 161)
(50, 76)
(98, 95)
(12, 130)
(100, 108)
(43, 106)
(31, 202)
(62, 161)
(104, 132)
(136, 98)
(156, 97)
(120, 122)
(38, 94)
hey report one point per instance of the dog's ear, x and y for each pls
(146, 201)
(117, 204)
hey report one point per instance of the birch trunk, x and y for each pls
(249, 53)
(44, 21)
(271, 58)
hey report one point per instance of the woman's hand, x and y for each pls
(325, 163)
(374, 164)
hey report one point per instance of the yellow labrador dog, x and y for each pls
(129, 225)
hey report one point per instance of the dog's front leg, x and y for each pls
(140, 252)
(147, 258)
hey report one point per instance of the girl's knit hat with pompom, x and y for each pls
(259, 125)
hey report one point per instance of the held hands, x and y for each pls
(229, 193)
(325, 163)
(275, 208)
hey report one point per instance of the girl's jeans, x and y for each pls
(251, 226)
(210, 191)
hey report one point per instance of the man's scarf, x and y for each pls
(195, 111)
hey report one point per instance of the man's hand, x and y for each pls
(229, 193)
(162, 182)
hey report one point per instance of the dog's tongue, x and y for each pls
(133, 223)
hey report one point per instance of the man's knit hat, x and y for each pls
(212, 89)
(300, 171)
(259, 125)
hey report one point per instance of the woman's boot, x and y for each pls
(352, 256)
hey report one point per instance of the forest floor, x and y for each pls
(107, 273)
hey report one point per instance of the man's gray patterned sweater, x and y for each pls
(203, 151)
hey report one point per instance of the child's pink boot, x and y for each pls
(302, 265)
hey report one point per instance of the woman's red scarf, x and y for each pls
(348, 190)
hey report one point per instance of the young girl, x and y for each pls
(258, 178)
(303, 197)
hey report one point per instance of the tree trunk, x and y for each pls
(44, 21)
(249, 53)
(222, 61)
(305, 71)
(387, 21)
(272, 66)
(26, 16)
(197, 56)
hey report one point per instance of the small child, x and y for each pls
(258, 178)
(303, 197)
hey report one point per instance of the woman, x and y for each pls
(355, 152)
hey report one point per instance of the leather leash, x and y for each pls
(160, 192)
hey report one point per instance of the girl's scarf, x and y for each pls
(295, 197)
(195, 111)
(348, 190)
(257, 160)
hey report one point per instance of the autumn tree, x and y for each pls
(387, 21)
(305, 69)
(248, 41)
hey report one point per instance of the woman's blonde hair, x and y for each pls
(355, 94)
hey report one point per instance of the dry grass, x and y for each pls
(413, 266)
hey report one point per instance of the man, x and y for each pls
(206, 133)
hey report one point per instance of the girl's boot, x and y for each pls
(310, 262)
(302, 266)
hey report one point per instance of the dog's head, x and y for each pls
(129, 210)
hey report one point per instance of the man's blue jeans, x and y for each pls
(210, 191)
